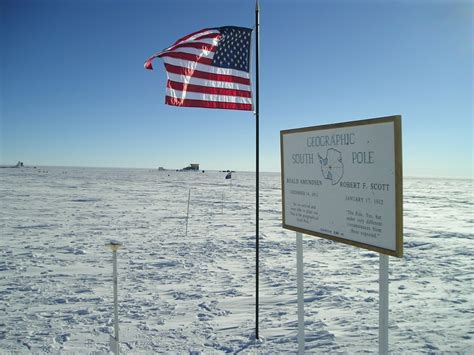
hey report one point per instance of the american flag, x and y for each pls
(209, 68)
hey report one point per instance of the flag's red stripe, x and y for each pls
(195, 40)
(207, 90)
(203, 75)
(148, 65)
(187, 56)
(207, 104)
(197, 45)
(209, 35)
(192, 34)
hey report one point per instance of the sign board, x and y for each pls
(344, 182)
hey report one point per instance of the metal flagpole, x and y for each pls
(257, 172)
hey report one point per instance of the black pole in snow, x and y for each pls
(257, 172)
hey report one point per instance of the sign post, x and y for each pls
(300, 287)
(343, 182)
(383, 304)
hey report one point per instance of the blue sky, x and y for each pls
(74, 91)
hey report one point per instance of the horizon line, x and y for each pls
(32, 166)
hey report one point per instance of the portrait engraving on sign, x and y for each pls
(343, 182)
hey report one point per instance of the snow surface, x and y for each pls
(196, 293)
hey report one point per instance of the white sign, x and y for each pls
(344, 182)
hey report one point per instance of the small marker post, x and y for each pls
(222, 204)
(187, 213)
(114, 340)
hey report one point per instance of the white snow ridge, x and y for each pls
(193, 294)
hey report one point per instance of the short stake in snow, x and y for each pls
(114, 340)
(187, 213)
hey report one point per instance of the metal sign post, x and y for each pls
(300, 287)
(114, 340)
(383, 304)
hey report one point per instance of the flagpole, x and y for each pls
(257, 172)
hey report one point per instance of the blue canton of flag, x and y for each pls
(233, 49)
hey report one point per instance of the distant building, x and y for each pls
(18, 165)
(192, 167)
(161, 168)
